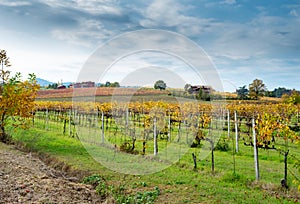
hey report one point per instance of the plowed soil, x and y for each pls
(26, 179)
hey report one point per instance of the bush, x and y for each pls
(222, 145)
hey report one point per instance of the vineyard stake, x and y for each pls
(102, 126)
(126, 125)
(169, 128)
(47, 120)
(155, 137)
(70, 122)
(236, 132)
(255, 151)
(228, 124)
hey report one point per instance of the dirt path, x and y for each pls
(25, 179)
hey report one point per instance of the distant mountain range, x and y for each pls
(43, 82)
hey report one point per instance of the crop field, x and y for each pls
(175, 153)
(96, 91)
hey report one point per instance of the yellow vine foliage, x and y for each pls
(17, 101)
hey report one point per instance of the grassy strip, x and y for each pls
(179, 183)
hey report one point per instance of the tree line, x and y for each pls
(258, 89)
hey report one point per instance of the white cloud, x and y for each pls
(92, 6)
(14, 3)
(229, 2)
(262, 37)
(294, 13)
(88, 33)
(170, 14)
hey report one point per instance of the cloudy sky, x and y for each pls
(245, 39)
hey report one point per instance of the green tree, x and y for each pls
(52, 86)
(16, 101)
(257, 89)
(115, 84)
(188, 88)
(160, 84)
(242, 92)
(202, 95)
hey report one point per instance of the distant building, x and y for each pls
(206, 89)
(86, 84)
(61, 87)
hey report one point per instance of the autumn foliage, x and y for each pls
(16, 101)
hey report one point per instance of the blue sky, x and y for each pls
(245, 39)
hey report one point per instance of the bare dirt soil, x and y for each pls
(26, 179)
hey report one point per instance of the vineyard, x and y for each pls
(157, 134)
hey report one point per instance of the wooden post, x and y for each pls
(236, 132)
(284, 182)
(255, 151)
(126, 121)
(195, 160)
(155, 137)
(102, 127)
(212, 158)
(65, 124)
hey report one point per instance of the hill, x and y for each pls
(43, 82)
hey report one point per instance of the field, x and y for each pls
(180, 183)
(97, 91)
(90, 140)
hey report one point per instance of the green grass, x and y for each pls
(179, 183)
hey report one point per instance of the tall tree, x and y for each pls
(160, 84)
(16, 101)
(242, 92)
(257, 89)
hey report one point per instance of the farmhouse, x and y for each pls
(206, 89)
(61, 87)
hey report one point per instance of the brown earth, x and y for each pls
(26, 179)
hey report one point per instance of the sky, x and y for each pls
(243, 39)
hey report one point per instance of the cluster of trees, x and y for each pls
(279, 92)
(52, 86)
(110, 84)
(258, 89)
(107, 84)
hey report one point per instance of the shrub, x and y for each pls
(222, 145)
